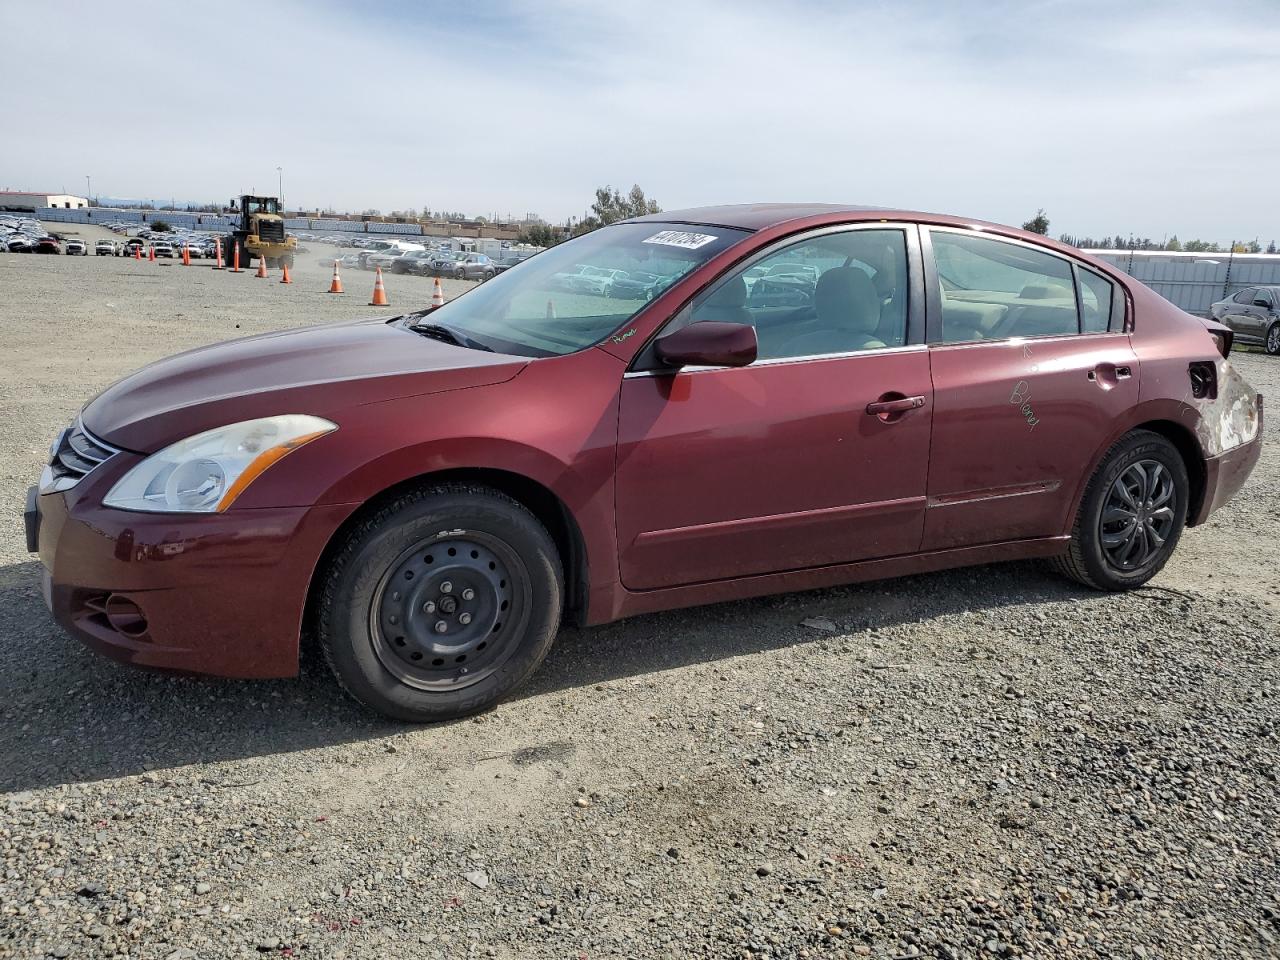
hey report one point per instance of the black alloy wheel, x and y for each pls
(1138, 515)
(1131, 516)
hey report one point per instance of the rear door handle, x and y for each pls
(901, 405)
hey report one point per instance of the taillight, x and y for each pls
(1224, 338)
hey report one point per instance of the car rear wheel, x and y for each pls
(440, 603)
(1131, 517)
(1273, 339)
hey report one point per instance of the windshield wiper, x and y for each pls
(438, 331)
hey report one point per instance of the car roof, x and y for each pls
(761, 216)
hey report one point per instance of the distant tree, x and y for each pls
(1271, 247)
(611, 206)
(159, 226)
(1173, 243)
(1254, 247)
(540, 235)
(1037, 224)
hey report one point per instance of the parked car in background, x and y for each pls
(48, 245)
(76, 248)
(597, 280)
(20, 243)
(506, 263)
(637, 285)
(472, 266)
(443, 262)
(1253, 314)
(106, 248)
(415, 261)
(162, 249)
(565, 279)
(383, 259)
(134, 244)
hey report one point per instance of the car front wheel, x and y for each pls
(1273, 339)
(1131, 517)
(440, 603)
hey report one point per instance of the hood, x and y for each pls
(315, 370)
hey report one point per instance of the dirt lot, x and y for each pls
(989, 762)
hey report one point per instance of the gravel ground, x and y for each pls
(981, 763)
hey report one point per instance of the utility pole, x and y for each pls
(88, 188)
(280, 186)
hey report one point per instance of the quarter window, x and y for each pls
(990, 289)
(835, 293)
(1098, 303)
(1246, 295)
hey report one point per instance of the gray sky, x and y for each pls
(1146, 117)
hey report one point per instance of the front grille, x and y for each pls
(78, 451)
(271, 231)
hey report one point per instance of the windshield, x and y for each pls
(534, 310)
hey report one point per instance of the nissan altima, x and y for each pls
(435, 494)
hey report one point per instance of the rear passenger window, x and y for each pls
(991, 289)
(1097, 302)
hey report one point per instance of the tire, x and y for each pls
(459, 274)
(383, 644)
(1096, 556)
(1271, 342)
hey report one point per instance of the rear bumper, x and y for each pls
(1225, 474)
(223, 594)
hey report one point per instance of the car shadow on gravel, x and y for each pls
(70, 715)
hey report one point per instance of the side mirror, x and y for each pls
(709, 343)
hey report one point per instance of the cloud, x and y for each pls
(1142, 117)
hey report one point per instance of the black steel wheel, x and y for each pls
(1132, 515)
(1273, 338)
(446, 613)
(439, 603)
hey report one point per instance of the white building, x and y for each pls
(21, 200)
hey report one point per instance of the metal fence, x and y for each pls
(1195, 282)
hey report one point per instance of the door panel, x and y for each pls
(775, 466)
(1015, 423)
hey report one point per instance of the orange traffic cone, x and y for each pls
(217, 250)
(437, 294)
(151, 254)
(137, 252)
(379, 291)
(284, 272)
(262, 268)
(336, 285)
(551, 310)
(186, 255)
(235, 258)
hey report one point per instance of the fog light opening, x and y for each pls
(125, 616)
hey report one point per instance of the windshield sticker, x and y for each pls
(679, 238)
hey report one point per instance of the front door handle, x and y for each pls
(890, 410)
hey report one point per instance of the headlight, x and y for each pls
(205, 473)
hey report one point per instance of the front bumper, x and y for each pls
(221, 594)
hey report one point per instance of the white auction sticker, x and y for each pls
(679, 238)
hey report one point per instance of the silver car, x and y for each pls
(1254, 315)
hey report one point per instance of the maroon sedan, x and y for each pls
(804, 396)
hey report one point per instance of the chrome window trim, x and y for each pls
(931, 274)
(916, 294)
(776, 361)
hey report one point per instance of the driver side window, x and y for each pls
(835, 293)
